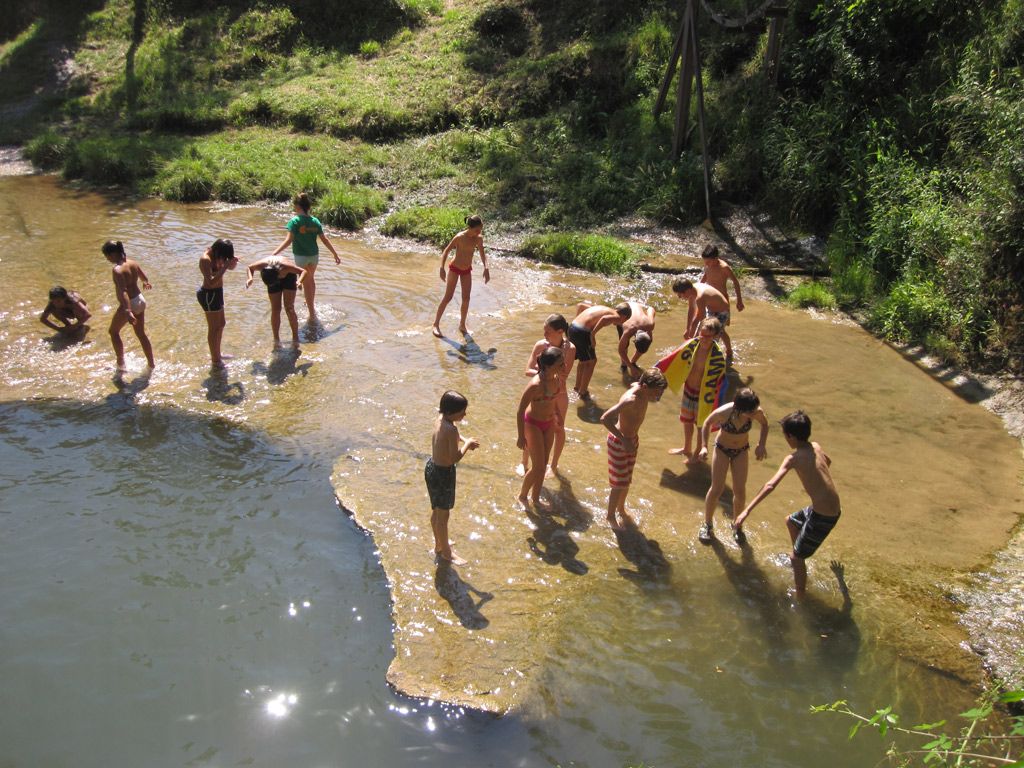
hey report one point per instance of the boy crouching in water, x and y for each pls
(623, 421)
(809, 527)
(448, 448)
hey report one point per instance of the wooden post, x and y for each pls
(687, 51)
(774, 48)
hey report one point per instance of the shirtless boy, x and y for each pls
(623, 422)
(460, 270)
(583, 334)
(639, 329)
(717, 273)
(448, 447)
(700, 381)
(809, 527)
(69, 309)
(704, 301)
(131, 303)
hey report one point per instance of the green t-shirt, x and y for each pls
(305, 229)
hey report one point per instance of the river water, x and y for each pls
(180, 586)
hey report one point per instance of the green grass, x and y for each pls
(595, 253)
(812, 295)
(436, 226)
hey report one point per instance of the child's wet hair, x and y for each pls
(113, 246)
(681, 286)
(58, 292)
(709, 252)
(624, 310)
(223, 250)
(712, 324)
(270, 276)
(797, 425)
(302, 200)
(548, 357)
(746, 400)
(452, 402)
(642, 341)
(556, 323)
(474, 221)
(653, 378)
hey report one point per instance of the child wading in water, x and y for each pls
(536, 419)
(448, 448)
(731, 453)
(554, 336)
(623, 422)
(218, 259)
(131, 303)
(282, 279)
(303, 231)
(809, 527)
(70, 309)
(461, 270)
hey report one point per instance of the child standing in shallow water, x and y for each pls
(809, 527)
(623, 422)
(554, 336)
(731, 453)
(536, 421)
(131, 303)
(448, 447)
(303, 231)
(461, 270)
(218, 259)
(282, 279)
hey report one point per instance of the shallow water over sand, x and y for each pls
(183, 587)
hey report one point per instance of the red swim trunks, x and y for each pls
(620, 461)
(458, 271)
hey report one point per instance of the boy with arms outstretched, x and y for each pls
(448, 447)
(809, 527)
(623, 422)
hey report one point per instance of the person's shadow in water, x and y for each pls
(837, 633)
(692, 479)
(282, 365)
(219, 390)
(652, 567)
(471, 353)
(313, 330)
(131, 388)
(464, 599)
(754, 589)
(589, 411)
(551, 540)
(61, 341)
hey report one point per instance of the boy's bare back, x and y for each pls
(126, 276)
(589, 317)
(811, 464)
(445, 443)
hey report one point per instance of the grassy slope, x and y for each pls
(896, 128)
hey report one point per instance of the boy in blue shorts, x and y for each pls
(809, 527)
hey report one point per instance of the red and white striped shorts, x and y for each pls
(620, 461)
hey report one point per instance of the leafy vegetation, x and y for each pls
(594, 253)
(897, 128)
(972, 746)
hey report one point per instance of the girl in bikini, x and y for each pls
(131, 303)
(536, 422)
(554, 336)
(460, 271)
(731, 452)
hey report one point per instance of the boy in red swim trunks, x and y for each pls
(623, 421)
(460, 270)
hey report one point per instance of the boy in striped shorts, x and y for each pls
(623, 421)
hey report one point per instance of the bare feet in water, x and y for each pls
(680, 452)
(437, 332)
